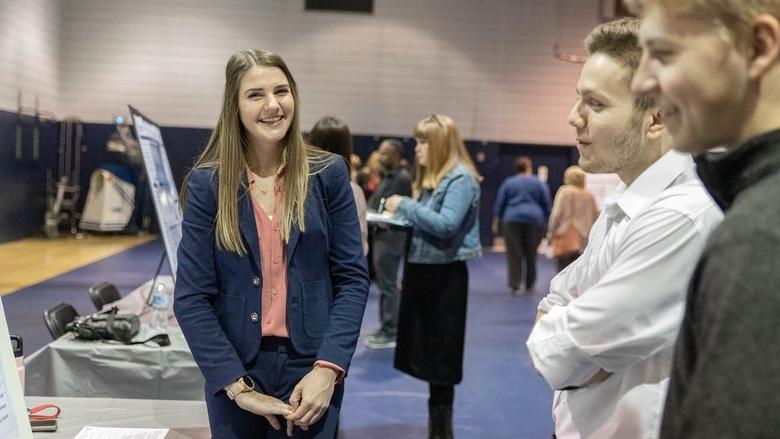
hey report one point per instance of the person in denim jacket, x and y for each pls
(432, 317)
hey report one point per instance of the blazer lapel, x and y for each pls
(248, 226)
(295, 232)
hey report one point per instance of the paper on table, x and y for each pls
(121, 433)
(372, 217)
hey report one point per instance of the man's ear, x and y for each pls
(655, 124)
(764, 45)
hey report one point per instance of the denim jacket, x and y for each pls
(445, 220)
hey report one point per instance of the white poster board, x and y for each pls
(161, 183)
(13, 412)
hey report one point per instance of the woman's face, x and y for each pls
(265, 105)
(421, 151)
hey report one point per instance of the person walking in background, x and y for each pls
(573, 214)
(522, 207)
(432, 319)
(272, 282)
(388, 245)
(333, 135)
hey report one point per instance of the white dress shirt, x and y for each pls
(619, 306)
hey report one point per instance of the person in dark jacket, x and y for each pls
(712, 67)
(388, 245)
(523, 208)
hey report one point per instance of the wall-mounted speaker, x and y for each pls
(363, 6)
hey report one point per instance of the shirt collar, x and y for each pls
(726, 174)
(632, 199)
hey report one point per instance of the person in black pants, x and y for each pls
(523, 207)
(434, 298)
(388, 245)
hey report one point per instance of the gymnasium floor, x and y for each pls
(500, 397)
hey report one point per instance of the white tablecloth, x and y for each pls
(78, 368)
(188, 419)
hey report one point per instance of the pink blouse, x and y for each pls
(273, 261)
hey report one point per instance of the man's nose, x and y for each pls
(575, 118)
(644, 82)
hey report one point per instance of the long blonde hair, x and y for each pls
(445, 150)
(228, 148)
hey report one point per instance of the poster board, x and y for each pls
(13, 412)
(164, 192)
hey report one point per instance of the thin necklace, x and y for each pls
(264, 184)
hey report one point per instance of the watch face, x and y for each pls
(248, 381)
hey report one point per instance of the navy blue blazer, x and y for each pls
(217, 298)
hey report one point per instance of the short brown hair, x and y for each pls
(619, 40)
(523, 164)
(735, 16)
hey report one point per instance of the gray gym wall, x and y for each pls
(488, 64)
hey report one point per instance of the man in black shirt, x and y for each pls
(712, 68)
(387, 245)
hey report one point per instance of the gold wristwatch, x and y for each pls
(243, 384)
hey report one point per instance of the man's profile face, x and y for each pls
(608, 132)
(697, 78)
(388, 156)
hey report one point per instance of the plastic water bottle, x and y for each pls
(160, 301)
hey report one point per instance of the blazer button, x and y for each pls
(256, 281)
(254, 317)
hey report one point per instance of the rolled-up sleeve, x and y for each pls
(631, 313)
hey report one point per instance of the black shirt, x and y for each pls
(725, 380)
(395, 182)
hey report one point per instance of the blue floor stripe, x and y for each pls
(500, 398)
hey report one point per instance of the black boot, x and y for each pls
(440, 422)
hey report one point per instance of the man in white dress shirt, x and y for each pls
(605, 333)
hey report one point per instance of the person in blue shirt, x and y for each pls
(523, 207)
(444, 213)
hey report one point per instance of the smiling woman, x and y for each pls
(266, 105)
(269, 295)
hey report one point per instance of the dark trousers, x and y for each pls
(388, 248)
(441, 395)
(522, 241)
(276, 370)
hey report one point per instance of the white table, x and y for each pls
(187, 419)
(78, 368)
